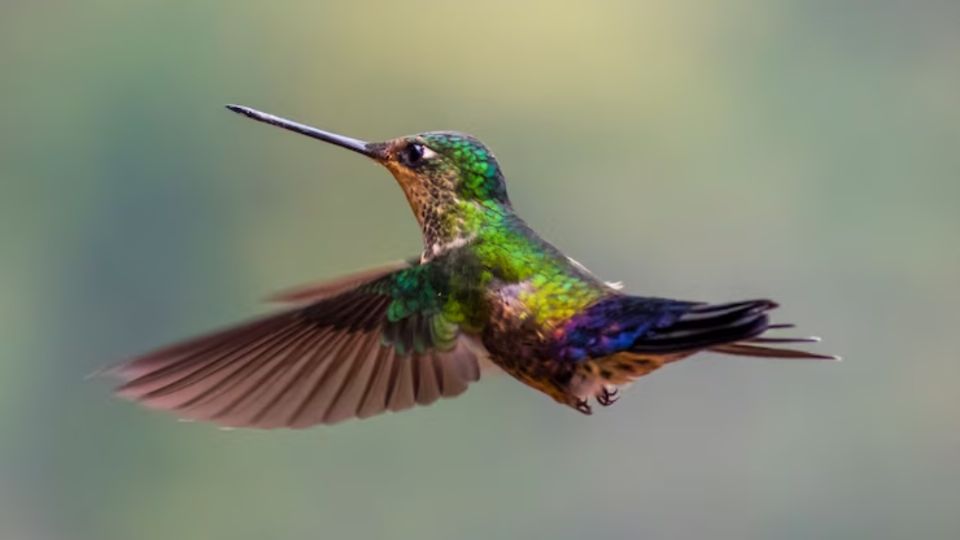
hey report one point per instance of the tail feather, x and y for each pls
(745, 349)
(706, 325)
(734, 328)
(764, 339)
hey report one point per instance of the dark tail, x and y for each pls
(735, 328)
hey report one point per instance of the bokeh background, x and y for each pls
(806, 151)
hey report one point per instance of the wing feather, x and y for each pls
(335, 358)
(427, 388)
(327, 289)
(402, 394)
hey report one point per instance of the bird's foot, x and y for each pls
(583, 407)
(608, 396)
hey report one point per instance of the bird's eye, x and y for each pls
(415, 154)
(412, 154)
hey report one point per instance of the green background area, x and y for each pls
(804, 151)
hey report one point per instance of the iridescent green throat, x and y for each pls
(464, 192)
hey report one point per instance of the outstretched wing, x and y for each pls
(332, 287)
(383, 344)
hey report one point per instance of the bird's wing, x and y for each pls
(332, 287)
(663, 327)
(382, 345)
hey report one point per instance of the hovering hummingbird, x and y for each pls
(407, 333)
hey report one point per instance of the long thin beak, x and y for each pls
(349, 143)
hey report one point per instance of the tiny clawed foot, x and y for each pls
(608, 397)
(583, 407)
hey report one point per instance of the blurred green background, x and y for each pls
(806, 151)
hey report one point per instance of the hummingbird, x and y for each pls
(486, 287)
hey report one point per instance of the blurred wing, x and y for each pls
(363, 351)
(333, 287)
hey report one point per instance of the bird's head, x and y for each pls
(451, 180)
